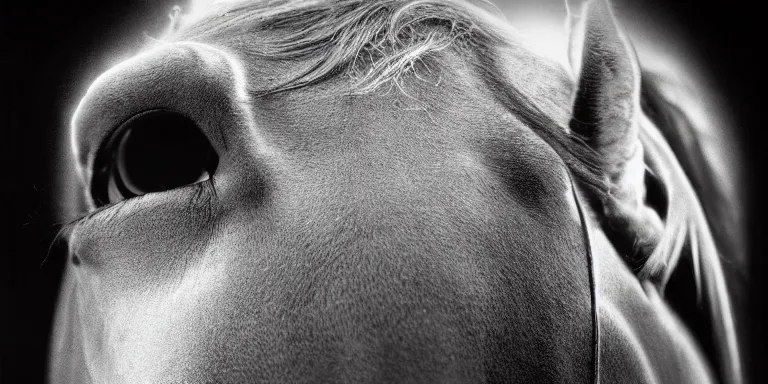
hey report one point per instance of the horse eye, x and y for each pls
(152, 152)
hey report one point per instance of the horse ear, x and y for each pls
(606, 115)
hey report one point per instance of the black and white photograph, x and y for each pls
(383, 191)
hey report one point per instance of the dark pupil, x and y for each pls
(160, 151)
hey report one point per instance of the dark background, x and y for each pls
(50, 49)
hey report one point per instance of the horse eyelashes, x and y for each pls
(154, 151)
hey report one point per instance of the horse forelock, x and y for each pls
(373, 42)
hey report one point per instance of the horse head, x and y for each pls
(390, 191)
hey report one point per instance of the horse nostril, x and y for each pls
(75, 260)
